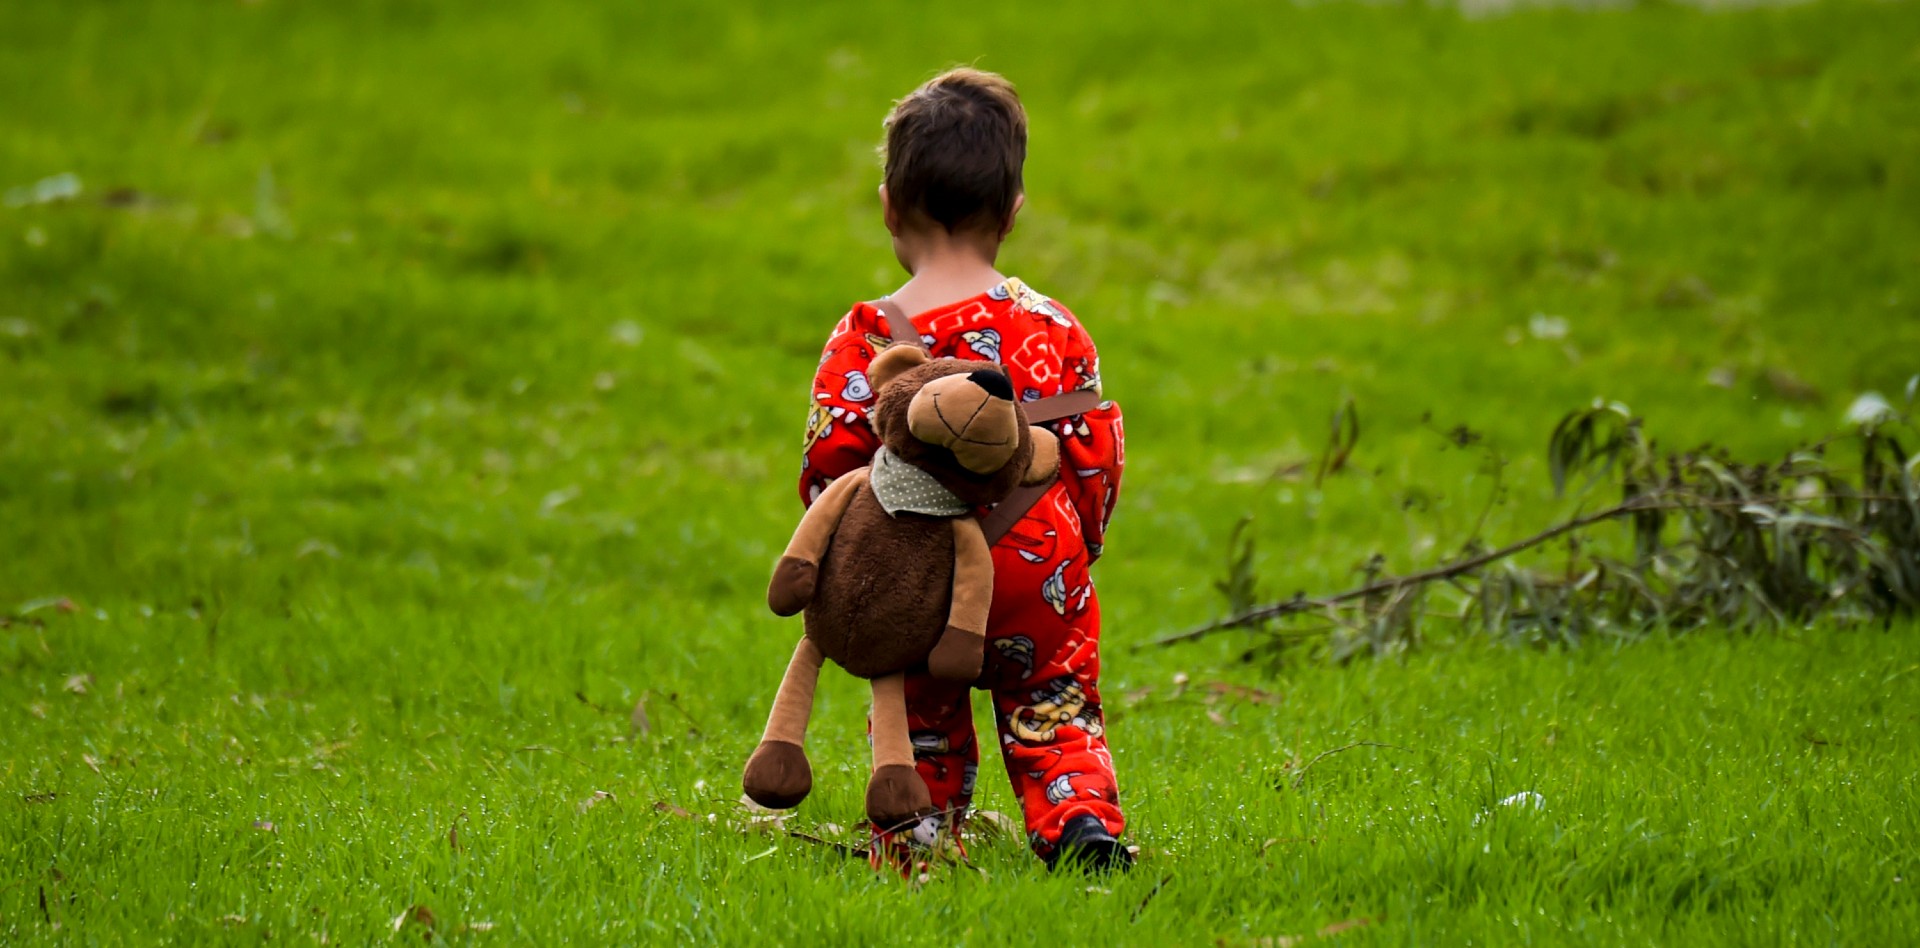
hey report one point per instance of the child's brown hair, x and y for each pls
(954, 150)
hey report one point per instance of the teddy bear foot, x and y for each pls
(778, 776)
(896, 795)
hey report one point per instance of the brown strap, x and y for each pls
(1009, 511)
(899, 324)
(1077, 402)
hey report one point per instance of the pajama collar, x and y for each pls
(901, 486)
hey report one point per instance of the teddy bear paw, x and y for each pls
(958, 655)
(792, 585)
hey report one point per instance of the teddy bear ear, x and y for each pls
(892, 361)
(1045, 463)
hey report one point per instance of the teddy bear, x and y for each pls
(892, 568)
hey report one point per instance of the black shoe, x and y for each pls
(1086, 846)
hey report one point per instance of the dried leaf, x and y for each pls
(78, 684)
(417, 914)
(1325, 931)
(993, 823)
(598, 797)
(663, 806)
(1243, 692)
(638, 723)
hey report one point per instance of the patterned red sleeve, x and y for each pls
(838, 437)
(1093, 446)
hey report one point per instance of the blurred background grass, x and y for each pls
(451, 357)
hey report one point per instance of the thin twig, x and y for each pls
(1301, 777)
(851, 852)
(673, 698)
(1150, 894)
(1668, 500)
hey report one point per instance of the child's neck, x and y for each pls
(945, 271)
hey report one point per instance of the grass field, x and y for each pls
(410, 389)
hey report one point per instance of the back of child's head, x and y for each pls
(954, 151)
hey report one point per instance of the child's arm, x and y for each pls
(839, 438)
(1092, 445)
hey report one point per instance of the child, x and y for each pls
(954, 150)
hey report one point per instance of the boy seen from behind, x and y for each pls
(953, 157)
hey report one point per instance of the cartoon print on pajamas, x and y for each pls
(1017, 649)
(1054, 590)
(1063, 702)
(1060, 595)
(1043, 629)
(820, 422)
(984, 343)
(857, 390)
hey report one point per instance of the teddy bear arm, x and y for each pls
(962, 647)
(794, 576)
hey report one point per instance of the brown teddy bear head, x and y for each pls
(959, 422)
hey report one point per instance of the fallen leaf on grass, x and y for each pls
(1326, 931)
(760, 818)
(1790, 387)
(233, 919)
(1269, 844)
(92, 762)
(1216, 717)
(663, 806)
(638, 724)
(993, 823)
(419, 915)
(598, 797)
(1244, 692)
(38, 709)
(78, 684)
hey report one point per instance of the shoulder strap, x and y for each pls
(900, 327)
(1077, 402)
(1009, 511)
(899, 324)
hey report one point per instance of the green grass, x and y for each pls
(445, 361)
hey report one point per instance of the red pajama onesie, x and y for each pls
(1043, 633)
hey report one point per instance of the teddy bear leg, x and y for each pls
(895, 793)
(778, 776)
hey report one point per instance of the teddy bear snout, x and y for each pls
(972, 415)
(995, 383)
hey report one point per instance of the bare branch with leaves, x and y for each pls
(1713, 541)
